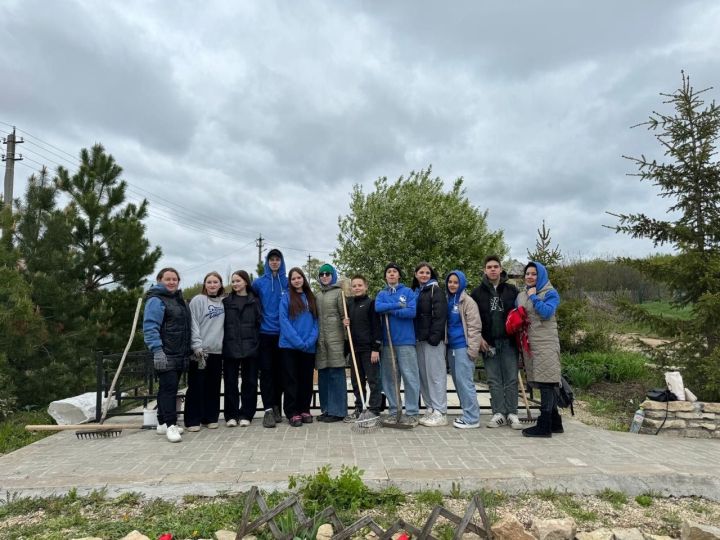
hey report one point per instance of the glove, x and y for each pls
(160, 361)
(201, 358)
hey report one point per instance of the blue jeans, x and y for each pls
(462, 369)
(407, 371)
(502, 371)
(332, 387)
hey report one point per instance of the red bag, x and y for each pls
(517, 324)
(516, 320)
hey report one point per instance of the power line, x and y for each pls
(186, 213)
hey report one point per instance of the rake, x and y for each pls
(368, 421)
(529, 419)
(101, 430)
(400, 421)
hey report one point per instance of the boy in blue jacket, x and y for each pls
(270, 288)
(396, 306)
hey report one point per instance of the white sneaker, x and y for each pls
(244, 423)
(230, 423)
(435, 419)
(173, 434)
(428, 413)
(213, 425)
(462, 424)
(497, 420)
(193, 429)
(162, 429)
(514, 421)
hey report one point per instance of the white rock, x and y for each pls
(554, 529)
(628, 534)
(325, 532)
(135, 535)
(88, 538)
(510, 528)
(598, 534)
(371, 536)
(224, 534)
(692, 530)
(656, 537)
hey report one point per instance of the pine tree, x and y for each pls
(70, 256)
(690, 178)
(108, 239)
(544, 252)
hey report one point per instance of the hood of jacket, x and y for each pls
(333, 280)
(487, 283)
(463, 284)
(542, 275)
(281, 274)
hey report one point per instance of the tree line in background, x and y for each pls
(70, 274)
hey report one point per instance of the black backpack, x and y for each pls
(565, 396)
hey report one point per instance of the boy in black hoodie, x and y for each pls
(367, 340)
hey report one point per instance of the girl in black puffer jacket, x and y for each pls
(430, 322)
(241, 340)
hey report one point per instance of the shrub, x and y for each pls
(345, 492)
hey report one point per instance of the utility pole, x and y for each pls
(259, 244)
(10, 158)
(309, 259)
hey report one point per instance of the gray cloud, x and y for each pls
(248, 118)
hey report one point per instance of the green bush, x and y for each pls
(345, 492)
(582, 328)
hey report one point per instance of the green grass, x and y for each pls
(663, 308)
(585, 369)
(429, 497)
(13, 434)
(568, 504)
(94, 514)
(616, 498)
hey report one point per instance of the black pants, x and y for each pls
(248, 387)
(297, 379)
(548, 403)
(202, 401)
(369, 376)
(270, 368)
(231, 371)
(167, 396)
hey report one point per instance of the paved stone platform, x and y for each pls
(583, 460)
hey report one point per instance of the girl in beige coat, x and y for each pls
(541, 300)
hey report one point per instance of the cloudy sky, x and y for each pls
(240, 118)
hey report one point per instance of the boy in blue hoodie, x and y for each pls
(270, 288)
(396, 304)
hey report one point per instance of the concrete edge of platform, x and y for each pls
(659, 480)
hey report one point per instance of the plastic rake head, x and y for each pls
(98, 434)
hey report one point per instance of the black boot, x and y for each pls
(556, 422)
(541, 429)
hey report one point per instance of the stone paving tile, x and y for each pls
(584, 459)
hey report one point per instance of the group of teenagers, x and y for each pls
(276, 332)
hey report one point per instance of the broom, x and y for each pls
(367, 421)
(95, 431)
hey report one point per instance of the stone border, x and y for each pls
(682, 419)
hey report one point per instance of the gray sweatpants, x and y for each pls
(433, 375)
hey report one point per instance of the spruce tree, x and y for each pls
(689, 177)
